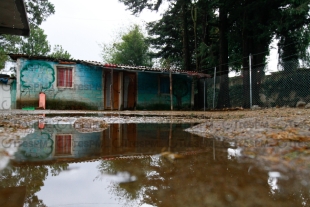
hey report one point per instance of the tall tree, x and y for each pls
(38, 10)
(36, 43)
(132, 49)
(223, 97)
(247, 27)
(293, 33)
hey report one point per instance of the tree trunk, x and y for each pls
(223, 97)
(186, 52)
(246, 50)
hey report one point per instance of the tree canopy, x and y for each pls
(203, 34)
(60, 53)
(36, 43)
(131, 49)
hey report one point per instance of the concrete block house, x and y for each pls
(79, 84)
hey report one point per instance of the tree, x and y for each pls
(36, 43)
(60, 53)
(132, 49)
(32, 177)
(294, 34)
(225, 33)
(38, 11)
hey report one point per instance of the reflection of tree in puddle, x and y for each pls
(200, 180)
(32, 177)
(130, 191)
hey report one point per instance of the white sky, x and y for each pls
(80, 26)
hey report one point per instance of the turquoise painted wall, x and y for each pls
(40, 145)
(36, 76)
(148, 95)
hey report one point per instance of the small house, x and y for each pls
(80, 84)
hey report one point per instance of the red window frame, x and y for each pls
(63, 144)
(64, 77)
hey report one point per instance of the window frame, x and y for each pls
(72, 75)
(56, 154)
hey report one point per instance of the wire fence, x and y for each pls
(284, 87)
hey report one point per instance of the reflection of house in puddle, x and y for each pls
(63, 143)
(58, 143)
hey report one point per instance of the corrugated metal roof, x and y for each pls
(13, 18)
(110, 66)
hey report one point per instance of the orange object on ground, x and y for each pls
(42, 100)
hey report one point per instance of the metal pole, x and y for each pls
(204, 94)
(111, 90)
(171, 96)
(250, 68)
(214, 86)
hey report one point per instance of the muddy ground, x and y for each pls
(277, 139)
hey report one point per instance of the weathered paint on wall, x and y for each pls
(87, 91)
(41, 145)
(149, 95)
(36, 76)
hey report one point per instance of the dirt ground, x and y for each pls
(276, 138)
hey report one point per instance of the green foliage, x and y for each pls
(8, 44)
(60, 53)
(38, 11)
(36, 43)
(132, 49)
(287, 88)
(32, 177)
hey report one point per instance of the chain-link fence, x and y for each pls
(284, 87)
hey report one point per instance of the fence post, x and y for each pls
(250, 70)
(214, 86)
(171, 96)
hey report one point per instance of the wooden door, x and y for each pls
(130, 90)
(112, 90)
(116, 90)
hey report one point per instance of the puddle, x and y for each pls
(139, 165)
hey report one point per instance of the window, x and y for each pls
(64, 77)
(164, 85)
(63, 144)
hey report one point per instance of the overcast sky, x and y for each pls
(79, 25)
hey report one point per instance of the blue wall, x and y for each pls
(40, 145)
(36, 76)
(148, 95)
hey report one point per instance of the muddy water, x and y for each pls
(140, 165)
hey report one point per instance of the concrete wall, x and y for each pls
(5, 96)
(149, 96)
(34, 76)
(41, 145)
